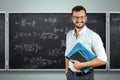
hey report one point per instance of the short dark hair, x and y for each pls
(78, 8)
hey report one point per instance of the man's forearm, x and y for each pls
(66, 64)
(94, 63)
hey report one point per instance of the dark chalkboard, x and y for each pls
(37, 40)
(114, 41)
(2, 40)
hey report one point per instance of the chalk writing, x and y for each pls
(35, 48)
(50, 20)
(25, 23)
(27, 47)
(92, 21)
(115, 19)
(42, 35)
(41, 61)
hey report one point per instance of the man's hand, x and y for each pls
(77, 65)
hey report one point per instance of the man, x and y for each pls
(90, 40)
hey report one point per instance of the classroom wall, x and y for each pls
(54, 6)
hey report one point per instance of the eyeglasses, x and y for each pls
(79, 17)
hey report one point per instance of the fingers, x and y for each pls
(73, 61)
(76, 64)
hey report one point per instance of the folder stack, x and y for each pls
(82, 54)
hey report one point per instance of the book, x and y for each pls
(86, 54)
(78, 56)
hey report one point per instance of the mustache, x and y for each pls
(79, 21)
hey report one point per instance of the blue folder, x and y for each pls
(88, 55)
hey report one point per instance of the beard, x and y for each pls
(80, 25)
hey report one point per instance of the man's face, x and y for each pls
(79, 19)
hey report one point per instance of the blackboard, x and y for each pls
(37, 40)
(2, 40)
(114, 41)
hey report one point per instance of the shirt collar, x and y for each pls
(82, 31)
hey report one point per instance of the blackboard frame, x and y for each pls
(112, 17)
(4, 52)
(61, 69)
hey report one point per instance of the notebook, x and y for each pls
(78, 56)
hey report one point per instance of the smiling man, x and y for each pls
(90, 40)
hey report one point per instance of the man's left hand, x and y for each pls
(77, 65)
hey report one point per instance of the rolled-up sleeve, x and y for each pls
(98, 48)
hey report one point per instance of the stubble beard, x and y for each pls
(81, 26)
